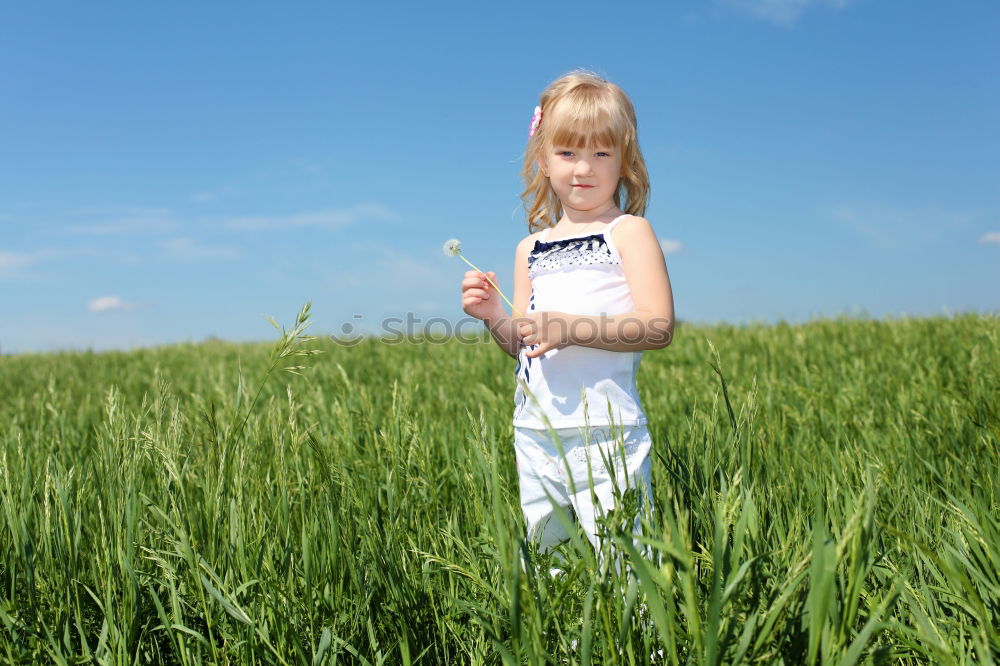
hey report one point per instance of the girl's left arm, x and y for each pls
(649, 326)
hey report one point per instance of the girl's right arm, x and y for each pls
(480, 300)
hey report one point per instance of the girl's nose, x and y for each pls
(582, 167)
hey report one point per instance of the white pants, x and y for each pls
(618, 458)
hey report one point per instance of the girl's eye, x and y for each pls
(566, 153)
(602, 154)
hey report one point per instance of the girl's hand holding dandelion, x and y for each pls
(477, 287)
(479, 291)
(540, 331)
(476, 301)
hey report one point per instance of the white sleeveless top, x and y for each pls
(576, 385)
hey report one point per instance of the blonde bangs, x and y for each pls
(582, 110)
(586, 122)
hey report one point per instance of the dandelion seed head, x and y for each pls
(452, 247)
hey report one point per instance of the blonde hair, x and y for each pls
(580, 110)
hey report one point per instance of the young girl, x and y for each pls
(593, 288)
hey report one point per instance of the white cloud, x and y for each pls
(889, 226)
(119, 211)
(14, 264)
(401, 268)
(108, 304)
(190, 249)
(670, 246)
(784, 13)
(307, 166)
(12, 261)
(124, 220)
(394, 280)
(328, 220)
(990, 237)
(213, 195)
(124, 227)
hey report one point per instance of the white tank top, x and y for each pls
(577, 385)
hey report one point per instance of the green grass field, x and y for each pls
(825, 493)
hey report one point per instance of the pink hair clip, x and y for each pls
(535, 120)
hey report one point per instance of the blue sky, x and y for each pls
(175, 171)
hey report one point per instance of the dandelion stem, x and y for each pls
(499, 291)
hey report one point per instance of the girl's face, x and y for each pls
(584, 179)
